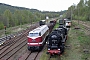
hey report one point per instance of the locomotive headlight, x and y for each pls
(58, 49)
(48, 49)
(47, 42)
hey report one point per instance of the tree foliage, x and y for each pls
(11, 16)
(1, 25)
(80, 11)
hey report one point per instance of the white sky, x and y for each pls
(43, 5)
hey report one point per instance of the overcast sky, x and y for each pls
(43, 5)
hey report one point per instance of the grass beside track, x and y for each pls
(77, 42)
(13, 30)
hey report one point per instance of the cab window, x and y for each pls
(33, 34)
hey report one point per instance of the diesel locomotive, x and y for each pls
(36, 37)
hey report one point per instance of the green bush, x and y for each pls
(1, 25)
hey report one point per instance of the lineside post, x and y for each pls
(5, 32)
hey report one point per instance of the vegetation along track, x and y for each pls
(11, 48)
(78, 43)
(57, 57)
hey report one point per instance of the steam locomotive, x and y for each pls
(56, 41)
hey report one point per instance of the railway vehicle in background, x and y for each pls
(53, 21)
(67, 23)
(42, 22)
(61, 22)
(51, 25)
(56, 41)
(36, 38)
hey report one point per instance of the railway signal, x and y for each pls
(5, 27)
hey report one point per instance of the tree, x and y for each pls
(1, 25)
(8, 16)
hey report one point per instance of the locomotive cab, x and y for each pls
(42, 22)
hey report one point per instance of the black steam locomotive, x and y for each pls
(56, 40)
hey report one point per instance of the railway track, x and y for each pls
(9, 54)
(11, 48)
(13, 40)
(28, 55)
(11, 37)
(86, 27)
(16, 48)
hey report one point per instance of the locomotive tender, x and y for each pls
(36, 37)
(56, 41)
